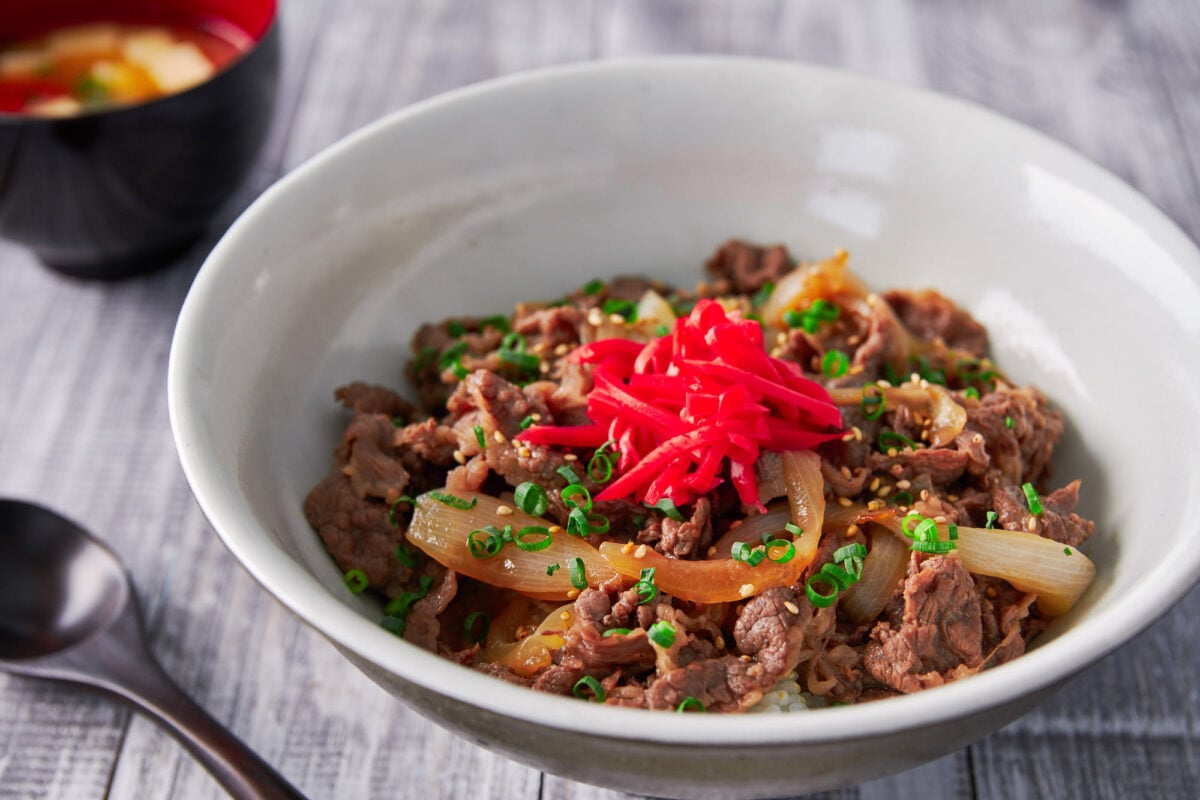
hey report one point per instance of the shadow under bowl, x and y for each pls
(117, 192)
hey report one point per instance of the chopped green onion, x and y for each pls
(854, 550)
(1008, 423)
(834, 364)
(1067, 550)
(498, 321)
(662, 633)
(578, 573)
(690, 704)
(455, 328)
(600, 467)
(793, 318)
(971, 391)
(526, 361)
(476, 633)
(1031, 497)
(424, 359)
(839, 576)
(573, 491)
(742, 551)
(890, 440)
(568, 474)
(531, 498)
(398, 421)
(598, 523)
(666, 506)
(789, 550)
(902, 498)
(926, 531)
(406, 556)
(577, 522)
(392, 508)
(953, 531)
(615, 632)
(934, 546)
(513, 341)
(762, 295)
(594, 286)
(356, 581)
(992, 516)
(453, 501)
(624, 308)
(527, 540)
(793, 529)
(930, 374)
(485, 542)
(645, 586)
(872, 405)
(586, 683)
(452, 356)
(527, 423)
(911, 517)
(393, 625)
(480, 438)
(553, 568)
(662, 330)
(400, 606)
(815, 597)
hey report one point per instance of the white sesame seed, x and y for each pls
(570, 457)
(746, 590)
(504, 511)
(499, 437)
(459, 457)
(792, 607)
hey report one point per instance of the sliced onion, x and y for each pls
(441, 531)
(718, 580)
(752, 529)
(1029, 562)
(800, 287)
(655, 310)
(883, 570)
(527, 655)
(806, 498)
(947, 416)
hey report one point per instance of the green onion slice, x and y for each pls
(872, 405)
(532, 538)
(406, 556)
(568, 474)
(453, 501)
(1031, 497)
(392, 508)
(902, 499)
(600, 467)
(615, 632)
(356, 580)
(934, 546)
(690, 704)
(992, 516)
(480, 438)
(578, 573)
(834, 364)
(476, 633)
(909, 524)
(485, 542)
(598, 523)
(789, 550)
(645, 586)
(497, 321)
(553, 568)
(588, 683)
(662, 633)
(624, 308)
(531, 498)
(570, 495)
(577, 522)
(794, 530)
(926, 531)
(594, 286)
(816, 597)
(890, 440)
(853, 550)
(393, 625)
(840, 577)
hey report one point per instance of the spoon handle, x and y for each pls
(121, 664)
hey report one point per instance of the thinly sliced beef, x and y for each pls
(746, 268)
(368, 398)
(930, 315)
(357, 533)
(422, 627)
(1058, 520)
(941, 629)
(371, 464)
(688, 538)
(1019, 432)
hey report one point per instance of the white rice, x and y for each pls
(786, 696)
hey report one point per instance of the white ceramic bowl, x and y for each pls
(529, 186)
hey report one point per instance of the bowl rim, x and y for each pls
(1039, 670)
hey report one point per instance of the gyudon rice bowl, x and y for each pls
(779, 489)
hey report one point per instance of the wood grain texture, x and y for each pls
(85, 429)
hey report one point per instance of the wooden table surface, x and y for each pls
(84, 425)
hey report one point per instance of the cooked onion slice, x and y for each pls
(529, 654)
(441, 531)
(933, 402)
(806, 498)
(800, 287)
(752, 529)
(718, 580)
(1058, 575)
(883, 570)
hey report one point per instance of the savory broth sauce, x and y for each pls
(88, 67)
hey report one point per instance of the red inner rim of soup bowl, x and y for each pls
(33, 18)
